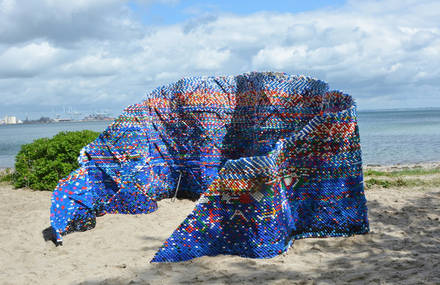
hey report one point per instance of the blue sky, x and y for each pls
(87, 56)
(172, 12)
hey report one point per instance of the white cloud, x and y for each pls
(93, 65)
(64, 22)
(385, 53)
(27, 60)
(208, 58)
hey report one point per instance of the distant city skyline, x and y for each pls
(59, 112)
(107, 54)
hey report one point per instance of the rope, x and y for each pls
(177, 187)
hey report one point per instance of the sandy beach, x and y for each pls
(402, 248)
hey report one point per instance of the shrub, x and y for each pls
(42, 163)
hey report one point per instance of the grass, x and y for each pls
(6, 175)
(401, 178)
(404, 172)
(400, 182)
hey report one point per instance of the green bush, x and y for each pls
(42, 163)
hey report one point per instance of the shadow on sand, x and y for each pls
(403, 247)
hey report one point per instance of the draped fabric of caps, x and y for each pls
(272, 158)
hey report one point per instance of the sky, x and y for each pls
(103, 55)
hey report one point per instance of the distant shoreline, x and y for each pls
(402, 166)
(58, 122)
(401, 109)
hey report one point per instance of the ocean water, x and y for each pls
(387, 137)
(12, 137)
(392, 137)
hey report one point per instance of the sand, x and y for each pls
(402, 248)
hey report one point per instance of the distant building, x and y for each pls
(42, 120)
(98, 117)
(10, 120)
